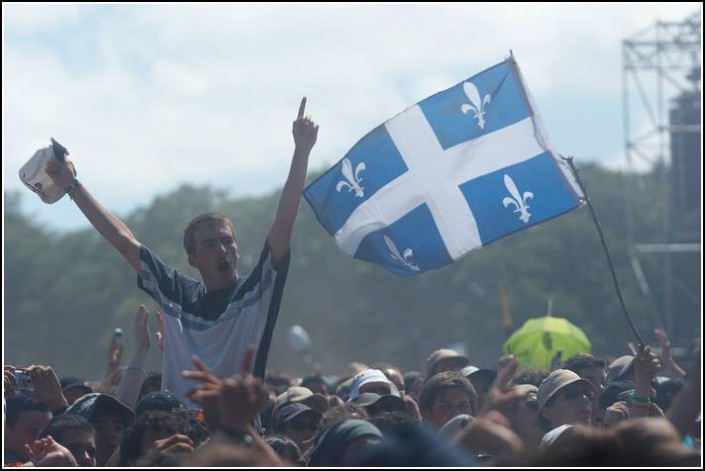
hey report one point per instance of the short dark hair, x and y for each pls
(285, 447)
(64, 423)
(578, 362)
(201, 221)
(158, 421)
(18, 404)
(530, 376)
(444, 381)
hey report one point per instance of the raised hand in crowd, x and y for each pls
(206, 393)
(115, 350)
(646, 366)
(666, 357)
(501, 396)
(615, 413)
(128, 391)
(177, 443)
(9, 382)
(230, 406)
(46, 387)
(686, 406)
(46, 452)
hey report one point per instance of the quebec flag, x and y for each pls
(449, 175)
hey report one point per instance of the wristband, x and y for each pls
(72, 186)
(641, 400)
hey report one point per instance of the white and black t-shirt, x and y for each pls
(218, 325)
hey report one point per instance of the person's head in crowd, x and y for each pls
(343, 442)
(287, 449)
(108, 416)
(579, 446)
(342, 412)
(317, 384)
(393, 374)
(619, 390)
(73, 388)
(654, 442)
(75, 434)
(24, 418)
(298, 422)
(390, 423)
(525, 419)
(278, 381)
(565, 398)
(376, 405)
(302, 395)
(152, 383)
(413, 381)
(620, 369)
(481, 379)
(343, 389)
(445, 359)
(352, 369)
(530, 376)
(411, 445)
(373, 381)
(204, 233)
(666, 390)
(163, 401)
(150, 426)
(588, 367)
(445, 395)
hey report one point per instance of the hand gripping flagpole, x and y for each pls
(607, 252)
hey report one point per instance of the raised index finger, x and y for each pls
(302, 106)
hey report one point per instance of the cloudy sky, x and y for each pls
(146, 97)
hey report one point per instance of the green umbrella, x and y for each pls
(536, 342)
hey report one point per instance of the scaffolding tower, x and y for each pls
(661, 80)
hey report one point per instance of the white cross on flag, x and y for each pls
(449, 175)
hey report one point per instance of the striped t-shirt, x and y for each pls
(218, 325)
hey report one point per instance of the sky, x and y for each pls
(147, 97)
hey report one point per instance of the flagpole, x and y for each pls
(607, 252)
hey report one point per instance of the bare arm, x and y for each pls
(129, 389)
(107, 224)
(666, 357)
(685, 407)
(305, 133)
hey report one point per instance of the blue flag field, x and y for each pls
(446, 176)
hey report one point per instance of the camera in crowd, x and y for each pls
(23, 380)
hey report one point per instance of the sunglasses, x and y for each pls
(574, 393)
(299, 425)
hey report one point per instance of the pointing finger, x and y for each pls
(302, 107)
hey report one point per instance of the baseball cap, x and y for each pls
(92, 404)
(444, 354)
(302, 395)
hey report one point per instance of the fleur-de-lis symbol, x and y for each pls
(404, 259)
(518, 200)
(476, 105)
(353, 180)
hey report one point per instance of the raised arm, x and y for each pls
(107, 224)
(305, 133)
